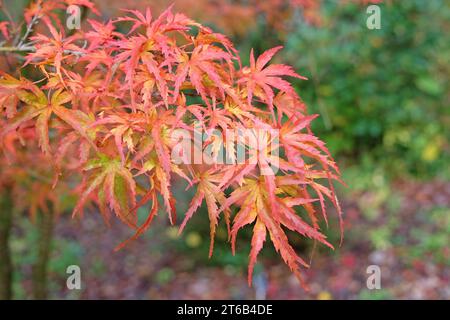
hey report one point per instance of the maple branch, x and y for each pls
(33, 49)
(18, 49)
(33, 21)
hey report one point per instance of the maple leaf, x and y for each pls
(155, 40)
(102, 34)
(9, 86)
(288, 104)
(124, 125)
(52, 50)
(152, 156)
(139, 19)
(260, 81)
(260, 150)
(38, 105)
(202, 69)
(162, 177)
(97, 58)
(115, 182)
(131, 51)
(298, 144)
(207, 36)
(157, 75)
(208, 190)
(165, 22)
(254, 202)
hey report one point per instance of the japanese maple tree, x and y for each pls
(106, 109)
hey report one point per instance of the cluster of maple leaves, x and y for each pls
(240, 17)
(104, 105)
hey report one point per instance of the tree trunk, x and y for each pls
(6, 214)
(45, 225)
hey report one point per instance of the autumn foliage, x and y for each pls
(102, 108)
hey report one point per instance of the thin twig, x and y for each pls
(33, 21)
(17, 49)
(33, 49)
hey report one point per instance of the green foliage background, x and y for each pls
(382, 94)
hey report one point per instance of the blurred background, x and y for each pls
(383, 98)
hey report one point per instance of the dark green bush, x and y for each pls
(382, 93)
